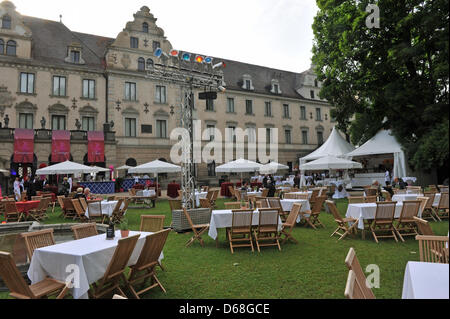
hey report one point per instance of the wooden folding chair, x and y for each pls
(197, 229)
(423, 227)
(110, 282)
(19, 289)
(353, 287)
(84, 230)
(145, 266)
(205, 203)
(398, 191)
(83, 203)
(356, 200)
(117, 213)
(352, 263)
(313, 219)
(387, 196)
(384, 221)
(205, 189)
(371, 192)
(443, 188)
(274, 202)
(266, 233)
(11, 213)
(406, 225)
(290, 196)
(441, 212)
(265, 192)
(232, 191)
(302, 196)
(40, 212)
(240, 233)
(152, 223)
(432, 189)
(94, 209)
(433, 249)
(343, 223)
(232, 205)
(38, 239)
(314, 195)
(214, 198)
(428, 211)
(261, 202)
(81, 215)
(68, 208)
(175, 204)
(370, 199)
(289, 225)
(414, 189)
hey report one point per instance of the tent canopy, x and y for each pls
(125, 167)
(100, 169)
(329, 163)
(239, 166)
(155, 167)
(336, 146)
(67, 167)
(272, 168)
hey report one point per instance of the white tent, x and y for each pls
(100, 169)
(66, 168)
(125, 167)
(239, 166)
(155, 167)
(330, 163)
(384, 143)
(272, 168)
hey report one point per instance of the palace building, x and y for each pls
(91, 99)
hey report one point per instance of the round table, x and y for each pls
(172, 190)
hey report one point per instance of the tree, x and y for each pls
(395, 76)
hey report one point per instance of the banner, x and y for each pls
(60, 146)
(96, 147)
(23, 146)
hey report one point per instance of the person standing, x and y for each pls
(69, 180)
(17, 191)
(387, 177)
(297, 181)
(31, 190)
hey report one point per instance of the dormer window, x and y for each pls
(313, 95)
(6, 22)
(74, 54)
(145, 27)
(247, 83)
(275, 87)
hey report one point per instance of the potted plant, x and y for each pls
(124, 229)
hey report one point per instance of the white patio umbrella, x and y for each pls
(67, 167)
(100, 169)
(155, 167)
(239, 166)
(329, 163)
(122, 168)
(272, 168)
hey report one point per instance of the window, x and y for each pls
(248, 84)
(316, 83)
(232, 133)
(305, 137)
(156, 45)
(287, 134)
(145, 27)
(161, 96)
(210, 130)
(161, 128)
(318, 114)
(2, 46)
(6, 22)
(302, 113)
(75, 56)
(312, 94)
(88, 123)
(58, 122)
(11, 47)
(141, 64)
(130, 127)
(249, 107)
(150, 64)
(212, 169)
(230, 105)
(134, 43)
(130, 91)
(286, 113)
(89, 89)
(268, 109)
(210, 105)
(276, 89)
(59, 86)
(320, 138)
(27, 83)
(147, 129)
(26, 121)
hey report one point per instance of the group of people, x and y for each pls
(32, 185)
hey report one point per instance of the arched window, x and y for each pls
(150, 63)
(2, 46)
(11, 47)
(141, 64)
(131, 162)
(145, 27)
(6, 22)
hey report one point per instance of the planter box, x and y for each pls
(198, 216)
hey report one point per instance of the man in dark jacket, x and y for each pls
(272, 189)
(297, 181)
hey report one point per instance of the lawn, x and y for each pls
(313, 269)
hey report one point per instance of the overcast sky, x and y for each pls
(273, 33)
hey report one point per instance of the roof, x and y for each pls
(382, 143)
(336, 145)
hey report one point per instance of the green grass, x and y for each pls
(313, 269)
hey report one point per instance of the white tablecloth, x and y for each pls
(340, 194)
(367, 211)
(107, 208)
(301, 193)
(403, 197)
(146, 193)
(91, 256)
(425, 281)
(257, 194)
(199, 195)
(224, 219)
(288, 203)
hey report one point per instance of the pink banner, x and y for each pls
(23, 146)
(60, 146)
(96, 147)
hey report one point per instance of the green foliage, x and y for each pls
(124, 224)
(399, 72)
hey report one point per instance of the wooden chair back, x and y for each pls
(334, 211)
(293, 214)
(353, 264)
(430, 196)
(205, 203)
(241, 221)
(23, 196)
(84, 230)
(126, 202)
(432, 188)
(302, 196)
(11, 212)
(353, 287)
(290, 196)
(265, 192)
(13, 278)
(215, 195)
(371, 191)
(443, 202)
(38, 239)
(261, 202)
(414, 189)
(231, 190)
(132, 192)
(274, 202)
(423, 203)
(111, 198)
(175, 204)
(152, 223)
(268, 219)
(78, 209)
(35, 198)
(210, 195)
(152, 249)
(399, 191)
(443, 188)
(60, 201)
(67, 204)
(118, 213)
(237, 194)
(371, 199)
(424, 227)
(410, 209)
(356, 199)
(433, 249)
(385, 211)
(386, 195)
(205, 189)
(188, 218)
(318, 204)
(94, 209)
(83, 203)
(233, 205)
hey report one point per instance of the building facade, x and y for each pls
(54, 79)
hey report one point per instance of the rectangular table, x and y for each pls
(366, 211)
(146, 193)
(224, 219)
(87, 257)
(107, 208)
(403, 197)
(302, 193)
(425, 281)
